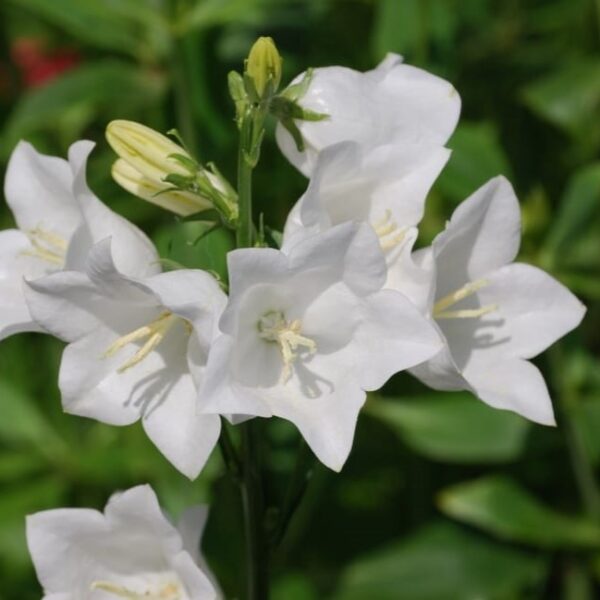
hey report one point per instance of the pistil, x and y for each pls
(273, 327)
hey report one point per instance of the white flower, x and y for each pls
(391, 104)
(129, 551)
(58, 219)
(494, 315)
(385, 186)
(306, 333)
(133, 351)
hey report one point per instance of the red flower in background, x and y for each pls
(37, 64)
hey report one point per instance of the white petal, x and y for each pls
(412, 274)
(482, 235)
(185, 437)
(192, 294)
(393, 103)
(327, 421)
(533, 310)
(66, 304)
(57, 543)
(14, 266)
(38, 190)
(197, 583)
(440, 372)
(134, 254)
(220, 394)
(393, 336)
(511, 384)
(137, 511)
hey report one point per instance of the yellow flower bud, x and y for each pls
(264, 64)
(146, 150)
(180, 202)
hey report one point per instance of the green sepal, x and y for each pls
(238, 94)
(295, 91)
(292, 129)
(186, 162)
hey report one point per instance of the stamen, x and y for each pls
(387, 226)
(439, 308)
(46, 245)
(467, 313)
(154, 331)
(171, 591)
(273, 327)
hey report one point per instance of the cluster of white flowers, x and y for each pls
(304, 331)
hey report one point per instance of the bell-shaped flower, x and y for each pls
(305, 333)
(494, 314)
(137, 349)
(58, 220)
(385, 187)
(394, 103)
(131, 550)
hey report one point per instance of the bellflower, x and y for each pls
(494, 314)
(129, 551)
(307, 332)
(133, 351)
(385, 186)
(58, 219)
(391, 104)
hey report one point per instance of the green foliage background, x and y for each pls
(442, 498)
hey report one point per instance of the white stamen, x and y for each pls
(385, 227)
(439, 308)
(273, 327)
(154, 331)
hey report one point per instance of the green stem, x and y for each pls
(580, 461)
(244, 180)
(257, 566)
(257, 578)
(296, 489)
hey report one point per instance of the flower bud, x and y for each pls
(146, 150)
(157, 192)
(264, 65)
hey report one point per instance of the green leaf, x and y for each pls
(453, 427)
(68, 104)
(578, 205)
(442, 561)
(121, 25)
(499, 506)
(568, 97)
(477, 156)
(23, 422)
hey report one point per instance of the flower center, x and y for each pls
(169, 591)
(440, 307)
(154, 333)
(388, 232)
(46, 245)
(272, 327)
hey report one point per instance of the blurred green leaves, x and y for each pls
(569, 98)
(442, 561)
(499, 506)
(453, 427)
(96, 91)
